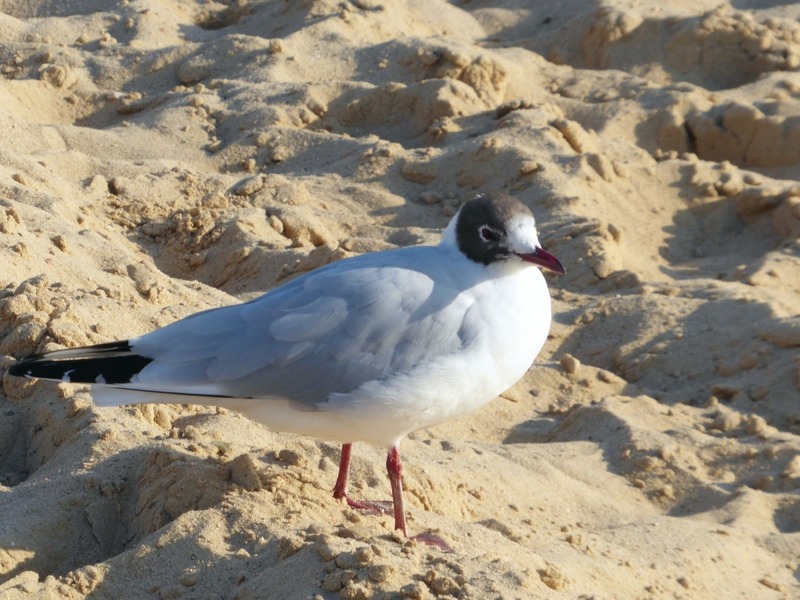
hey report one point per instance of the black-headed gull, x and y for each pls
(365, 349)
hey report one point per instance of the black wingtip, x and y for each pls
(17, 369)
(109, 364)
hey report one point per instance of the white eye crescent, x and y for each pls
(487, 234)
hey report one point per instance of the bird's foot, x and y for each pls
(372, 507)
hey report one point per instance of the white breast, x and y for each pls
(505, 328)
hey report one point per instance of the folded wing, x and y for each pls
(326, 332)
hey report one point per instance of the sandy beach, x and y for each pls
(158, 158)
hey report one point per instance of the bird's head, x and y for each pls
(494, 228)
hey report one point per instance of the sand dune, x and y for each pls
(159, 158)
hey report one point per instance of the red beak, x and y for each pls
(544, 259)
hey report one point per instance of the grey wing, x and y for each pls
(326, 333)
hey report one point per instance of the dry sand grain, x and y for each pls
(162, 157)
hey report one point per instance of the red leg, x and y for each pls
(395, 470)
(340, 489)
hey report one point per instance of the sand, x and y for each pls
(162, 157)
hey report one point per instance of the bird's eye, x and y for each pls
(488, 234)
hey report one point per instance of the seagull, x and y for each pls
(365, 349)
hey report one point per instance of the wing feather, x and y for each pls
(310, 322)
(329, 331)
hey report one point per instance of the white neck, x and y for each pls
(449, 232)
